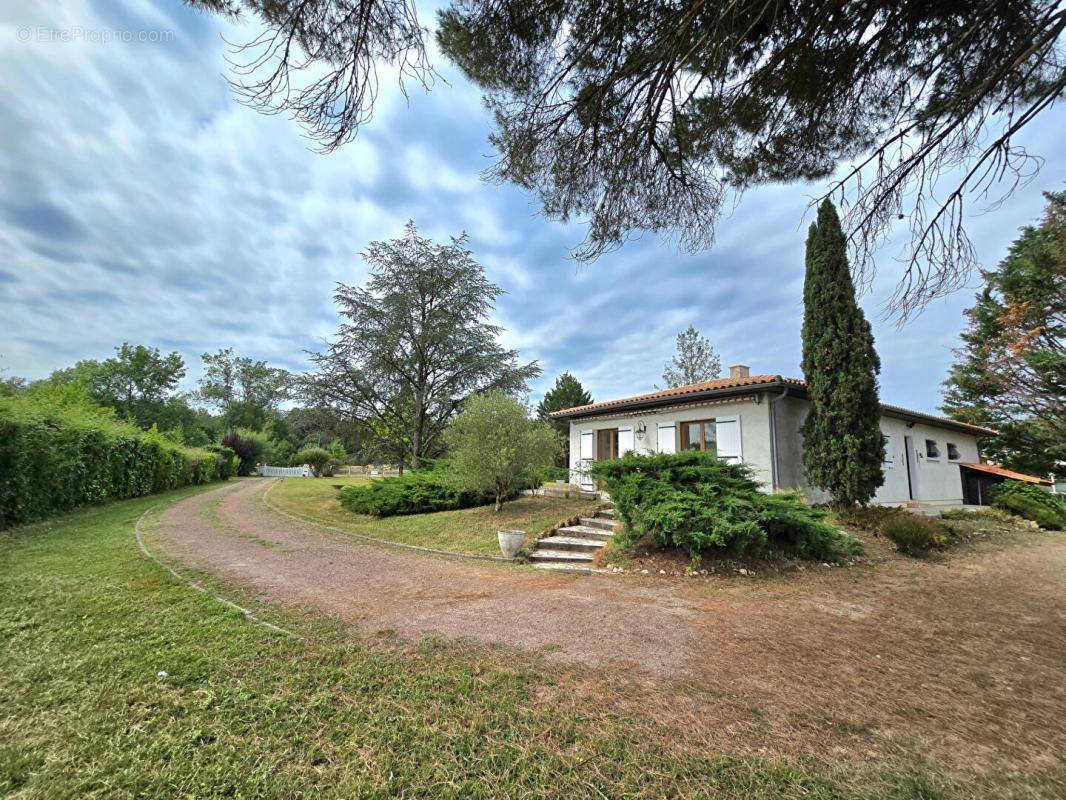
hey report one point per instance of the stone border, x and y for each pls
(137, 533)
(373, 540)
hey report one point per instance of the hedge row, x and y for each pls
(54, 459)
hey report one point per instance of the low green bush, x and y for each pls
(55, 457)
(418, 492)
(1027, 500)
(695, 502)
(318, 458)
(915, 535)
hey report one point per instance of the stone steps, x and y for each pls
(574, 547)
(563, 556)
(586, 532)
(599, 522)
(576, 543)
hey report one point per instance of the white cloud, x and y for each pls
(143, 203)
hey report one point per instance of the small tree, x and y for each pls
(337, 450)
(843, 444)
(496, 446)
(695, 360)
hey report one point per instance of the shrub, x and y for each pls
(56, 456)
(251, 448)
(226, 461)
(916, 535)
(695, 502)
(1026, 500)
(318, 458)
(551, 474)
(419, 492)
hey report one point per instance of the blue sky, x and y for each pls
(140, 202)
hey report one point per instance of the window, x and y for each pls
(931, 450)
(607, 444)
(699, 435)
(887, 461)
(953, 452)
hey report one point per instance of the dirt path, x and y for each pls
(964, 660)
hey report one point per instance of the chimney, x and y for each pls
(739, 371)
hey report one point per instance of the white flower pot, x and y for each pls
(511, 542)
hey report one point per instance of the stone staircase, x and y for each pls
(574, 547)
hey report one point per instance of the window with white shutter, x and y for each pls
(727, 433)
(667, 438)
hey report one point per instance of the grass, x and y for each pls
(468, 530)
(117, 681)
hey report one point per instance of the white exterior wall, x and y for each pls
(936, 480)
(753, 418)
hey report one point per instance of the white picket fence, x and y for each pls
(285, 472)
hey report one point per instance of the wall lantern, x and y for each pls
(640, 430)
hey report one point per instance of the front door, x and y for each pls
(912, 467)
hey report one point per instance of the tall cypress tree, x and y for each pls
(843, 445)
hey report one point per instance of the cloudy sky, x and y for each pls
(140, 202)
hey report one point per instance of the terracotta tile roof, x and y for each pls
(678, 392)
(727, 385)
(1003, 472)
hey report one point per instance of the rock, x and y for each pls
(662, 572)
(643, 572)
(742, 571)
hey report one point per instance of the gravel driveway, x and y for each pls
(967, 655)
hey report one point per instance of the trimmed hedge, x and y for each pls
(54, 459)
(695, 502)
(419, 492)
(1026, 500)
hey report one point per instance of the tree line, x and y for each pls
(415, 343)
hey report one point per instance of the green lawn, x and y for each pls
(469, 530)
(116, 681)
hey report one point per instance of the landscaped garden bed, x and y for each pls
(471, 531)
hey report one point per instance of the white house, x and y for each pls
(756, 419)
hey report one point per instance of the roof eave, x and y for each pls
(760, 388)
(660, 402)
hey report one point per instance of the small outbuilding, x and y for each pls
(978, 480)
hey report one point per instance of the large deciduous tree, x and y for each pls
(247, 392)
(694, 361)
(656, 115)
(415, 343)
(1010, 373)
(843, 447)
(566, 393)
(496, 447)
(138, 382)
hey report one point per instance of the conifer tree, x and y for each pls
(566, 393)
(843, 445)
